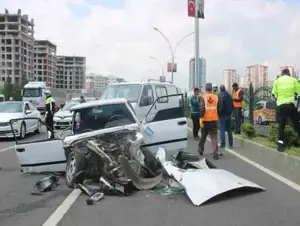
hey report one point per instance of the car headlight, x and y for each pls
(56, 118)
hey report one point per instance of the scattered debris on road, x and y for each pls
(44, 185)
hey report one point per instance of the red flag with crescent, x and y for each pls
(191, 8)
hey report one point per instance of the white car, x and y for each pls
(164, 127)
(17, 109)
(63, 118)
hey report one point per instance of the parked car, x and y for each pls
(63, 117)
(264, 112)
(165, 127)
(17, 109)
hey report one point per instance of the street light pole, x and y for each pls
(196, 45)
(173, 51)
(159, 63)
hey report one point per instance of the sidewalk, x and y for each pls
(280, 163)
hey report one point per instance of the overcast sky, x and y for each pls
(117, 37)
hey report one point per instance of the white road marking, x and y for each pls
(265, 170)
(6, 149)
(59, 213)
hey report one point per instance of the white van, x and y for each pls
(141, 95)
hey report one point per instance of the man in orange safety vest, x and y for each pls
(209, 120)
(237, 97)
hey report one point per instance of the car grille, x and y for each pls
(4, 123)
(62, 123)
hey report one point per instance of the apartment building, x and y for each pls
(230, 76)
(257, 74)
(45, 62)
(96, 82)
(70, 74)
(16, 42)
(201, 75)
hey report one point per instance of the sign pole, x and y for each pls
(197, 44)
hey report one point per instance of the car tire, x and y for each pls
(22, 131)
(38, 128)
(76, 163)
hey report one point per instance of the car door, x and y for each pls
(167, 126)
(30, 124)
(38, 153)
(145, 102)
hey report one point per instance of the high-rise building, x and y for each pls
(96, 82)
(201, 76)
(257, 74)
(70, 74)
(16, 38)
(45, 62)
(230, 76)
(291, 69)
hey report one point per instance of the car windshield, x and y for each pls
(32, 92)
(100, 117)
(131, 92)
(10, 107)
(68, 106)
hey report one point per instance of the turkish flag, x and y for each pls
(169, 67)
(191, 8)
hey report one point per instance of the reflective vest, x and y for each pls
(211, 102)
(235, 95)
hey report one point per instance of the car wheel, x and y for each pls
(75, 164)
(38, 128)
(22, 131)
(259, 121)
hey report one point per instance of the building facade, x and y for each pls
(97, 83)
(201, 76)
(230, 76)
(70, 74)
(45, 62)
(17, 40)
(257, 74)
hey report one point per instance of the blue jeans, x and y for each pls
(225, 126)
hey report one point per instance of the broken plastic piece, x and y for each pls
(95, 198)
(124, 185)
(45, 184)
(185, 156)
(89, 189)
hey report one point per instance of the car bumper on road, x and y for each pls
(6, 132)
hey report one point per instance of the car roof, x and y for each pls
(98, 102)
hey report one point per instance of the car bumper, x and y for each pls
(6, 132)
(62, 123)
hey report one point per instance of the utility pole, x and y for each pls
(196, 44)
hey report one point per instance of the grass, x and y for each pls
(295, 151)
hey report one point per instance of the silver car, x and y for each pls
(63, 118)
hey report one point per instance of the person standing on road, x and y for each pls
(82, 100)
(285, 89)
(209, 120)
(237, 98)
(195, 112)
(225, 109)
(215, 89)
(49, 113)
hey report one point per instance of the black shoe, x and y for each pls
(216, 156)
(280, 147)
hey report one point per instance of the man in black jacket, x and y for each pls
(225, 109)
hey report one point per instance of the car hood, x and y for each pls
(63, 114)
(6, 117)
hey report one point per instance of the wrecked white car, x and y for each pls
(105, 128)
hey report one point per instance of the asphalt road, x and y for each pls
(279, 205)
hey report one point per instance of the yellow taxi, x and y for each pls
(264, 112)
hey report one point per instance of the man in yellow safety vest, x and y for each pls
(285, 89)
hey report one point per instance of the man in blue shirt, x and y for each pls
(195, 112)
(225, 109)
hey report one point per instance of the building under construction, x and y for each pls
(16, 46)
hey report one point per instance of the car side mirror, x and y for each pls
(27, 112)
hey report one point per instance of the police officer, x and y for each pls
(82, 100)
(209, 120)
(49, 112)
(215, 89)
(285, 89)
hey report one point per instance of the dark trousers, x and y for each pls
(286, 111)
(211, 129)
(196, 125)
(225, 126)
(50, 124)
(237, 114)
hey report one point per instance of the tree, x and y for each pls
(13, 89)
